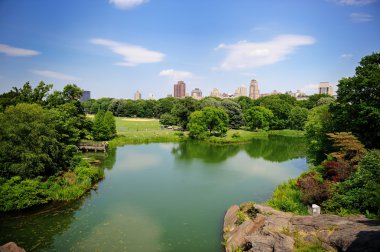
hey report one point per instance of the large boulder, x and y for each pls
(272, 230)
(11, 247)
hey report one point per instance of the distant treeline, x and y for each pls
(287, 111)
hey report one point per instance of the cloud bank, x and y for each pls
(354, 2)
(54, 75)
(245, 55)
(176, 75)
(127, 4)
(17, 52)
(360, 17)
(133, 55)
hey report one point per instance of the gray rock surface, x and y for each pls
(274, 230)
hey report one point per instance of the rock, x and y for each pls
(274, 230)
(230, 218)
(11, 247)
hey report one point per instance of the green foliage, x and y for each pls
(234, 112)
(313, 101)
(241, 217)
(297, 118)
(206, 122)
(287, 197)
(317, 125)
(258, 118)
(17, 194)
(29, 142)
(182, 110)
(104, 126)
(210, 102)
(280, 105)
(361, 192)
(357, 109)
(168, 119)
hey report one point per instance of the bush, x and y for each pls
(361, 192)
(314, 189)
(336, 171)
(287, 197)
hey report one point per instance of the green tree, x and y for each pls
(110, 122)
(197, 125)
(258, 117)
(104, 126)
(312, 101)
(244, 102)
(206, 122)
(210, 102)
(234, 112)
(297, 118)
(182, 110)
(29, 142)
(168, 119)
(358, 102)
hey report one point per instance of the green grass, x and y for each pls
(287, 197)
(124, 124)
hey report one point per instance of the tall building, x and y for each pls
(137, 95)
(325, 88)
(215, 93)
(180, 89)
(254, 90)
(241, 91)
(196, 93)
(85, 96)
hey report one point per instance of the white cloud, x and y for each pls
(18, 52)
(346, 56)
(133, 55)
(360, 17)
(245, 55)
(354, 2)
(54, 75)
(176, 75)
(127, 4)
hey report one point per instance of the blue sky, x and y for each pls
(115, 47)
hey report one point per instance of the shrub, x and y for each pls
(336, 171)
(314, 189)
(287, 197)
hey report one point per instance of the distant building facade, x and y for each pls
(196, 93)
(254, 90)
(325, 88)
(85, 96)
(137, 95)
(241, 91)
(215, 93)
(180, 89)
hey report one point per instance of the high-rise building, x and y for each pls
(137, 95)
(325, 88)
(215, 93)
(180, 89)
(196, 93)
(241, 91)
(85, 96)
(254, 90)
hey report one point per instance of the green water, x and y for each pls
(161, 197)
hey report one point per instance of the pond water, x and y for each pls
(161, 197)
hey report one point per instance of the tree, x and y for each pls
(30, 142)
(207, 122)
(297, 118)
(244, 102)
(234, 112)
(104, 126)
(210, 102)
(182, 110)
(258, 118)
(318, 124)
(358, 98)
(312, 101)
(168, 119)
(280, 105)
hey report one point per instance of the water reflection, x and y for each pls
(273, 148)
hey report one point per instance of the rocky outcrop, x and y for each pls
(272, 230)
(11, 247)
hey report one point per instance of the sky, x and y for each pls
(115, 47)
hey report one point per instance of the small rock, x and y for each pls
(11, 247)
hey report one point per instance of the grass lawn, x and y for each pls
(124, 124)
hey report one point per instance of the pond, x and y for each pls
(161, 197)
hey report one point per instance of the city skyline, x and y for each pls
(114, 48)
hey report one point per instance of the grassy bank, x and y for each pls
(140, 130)
(17, 193)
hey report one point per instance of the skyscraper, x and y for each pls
(325, 88)
(241, 91)
(180, 89)
(86, 96)
(137, 95)
(254, 90)
(196, 93)
(215, 93)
